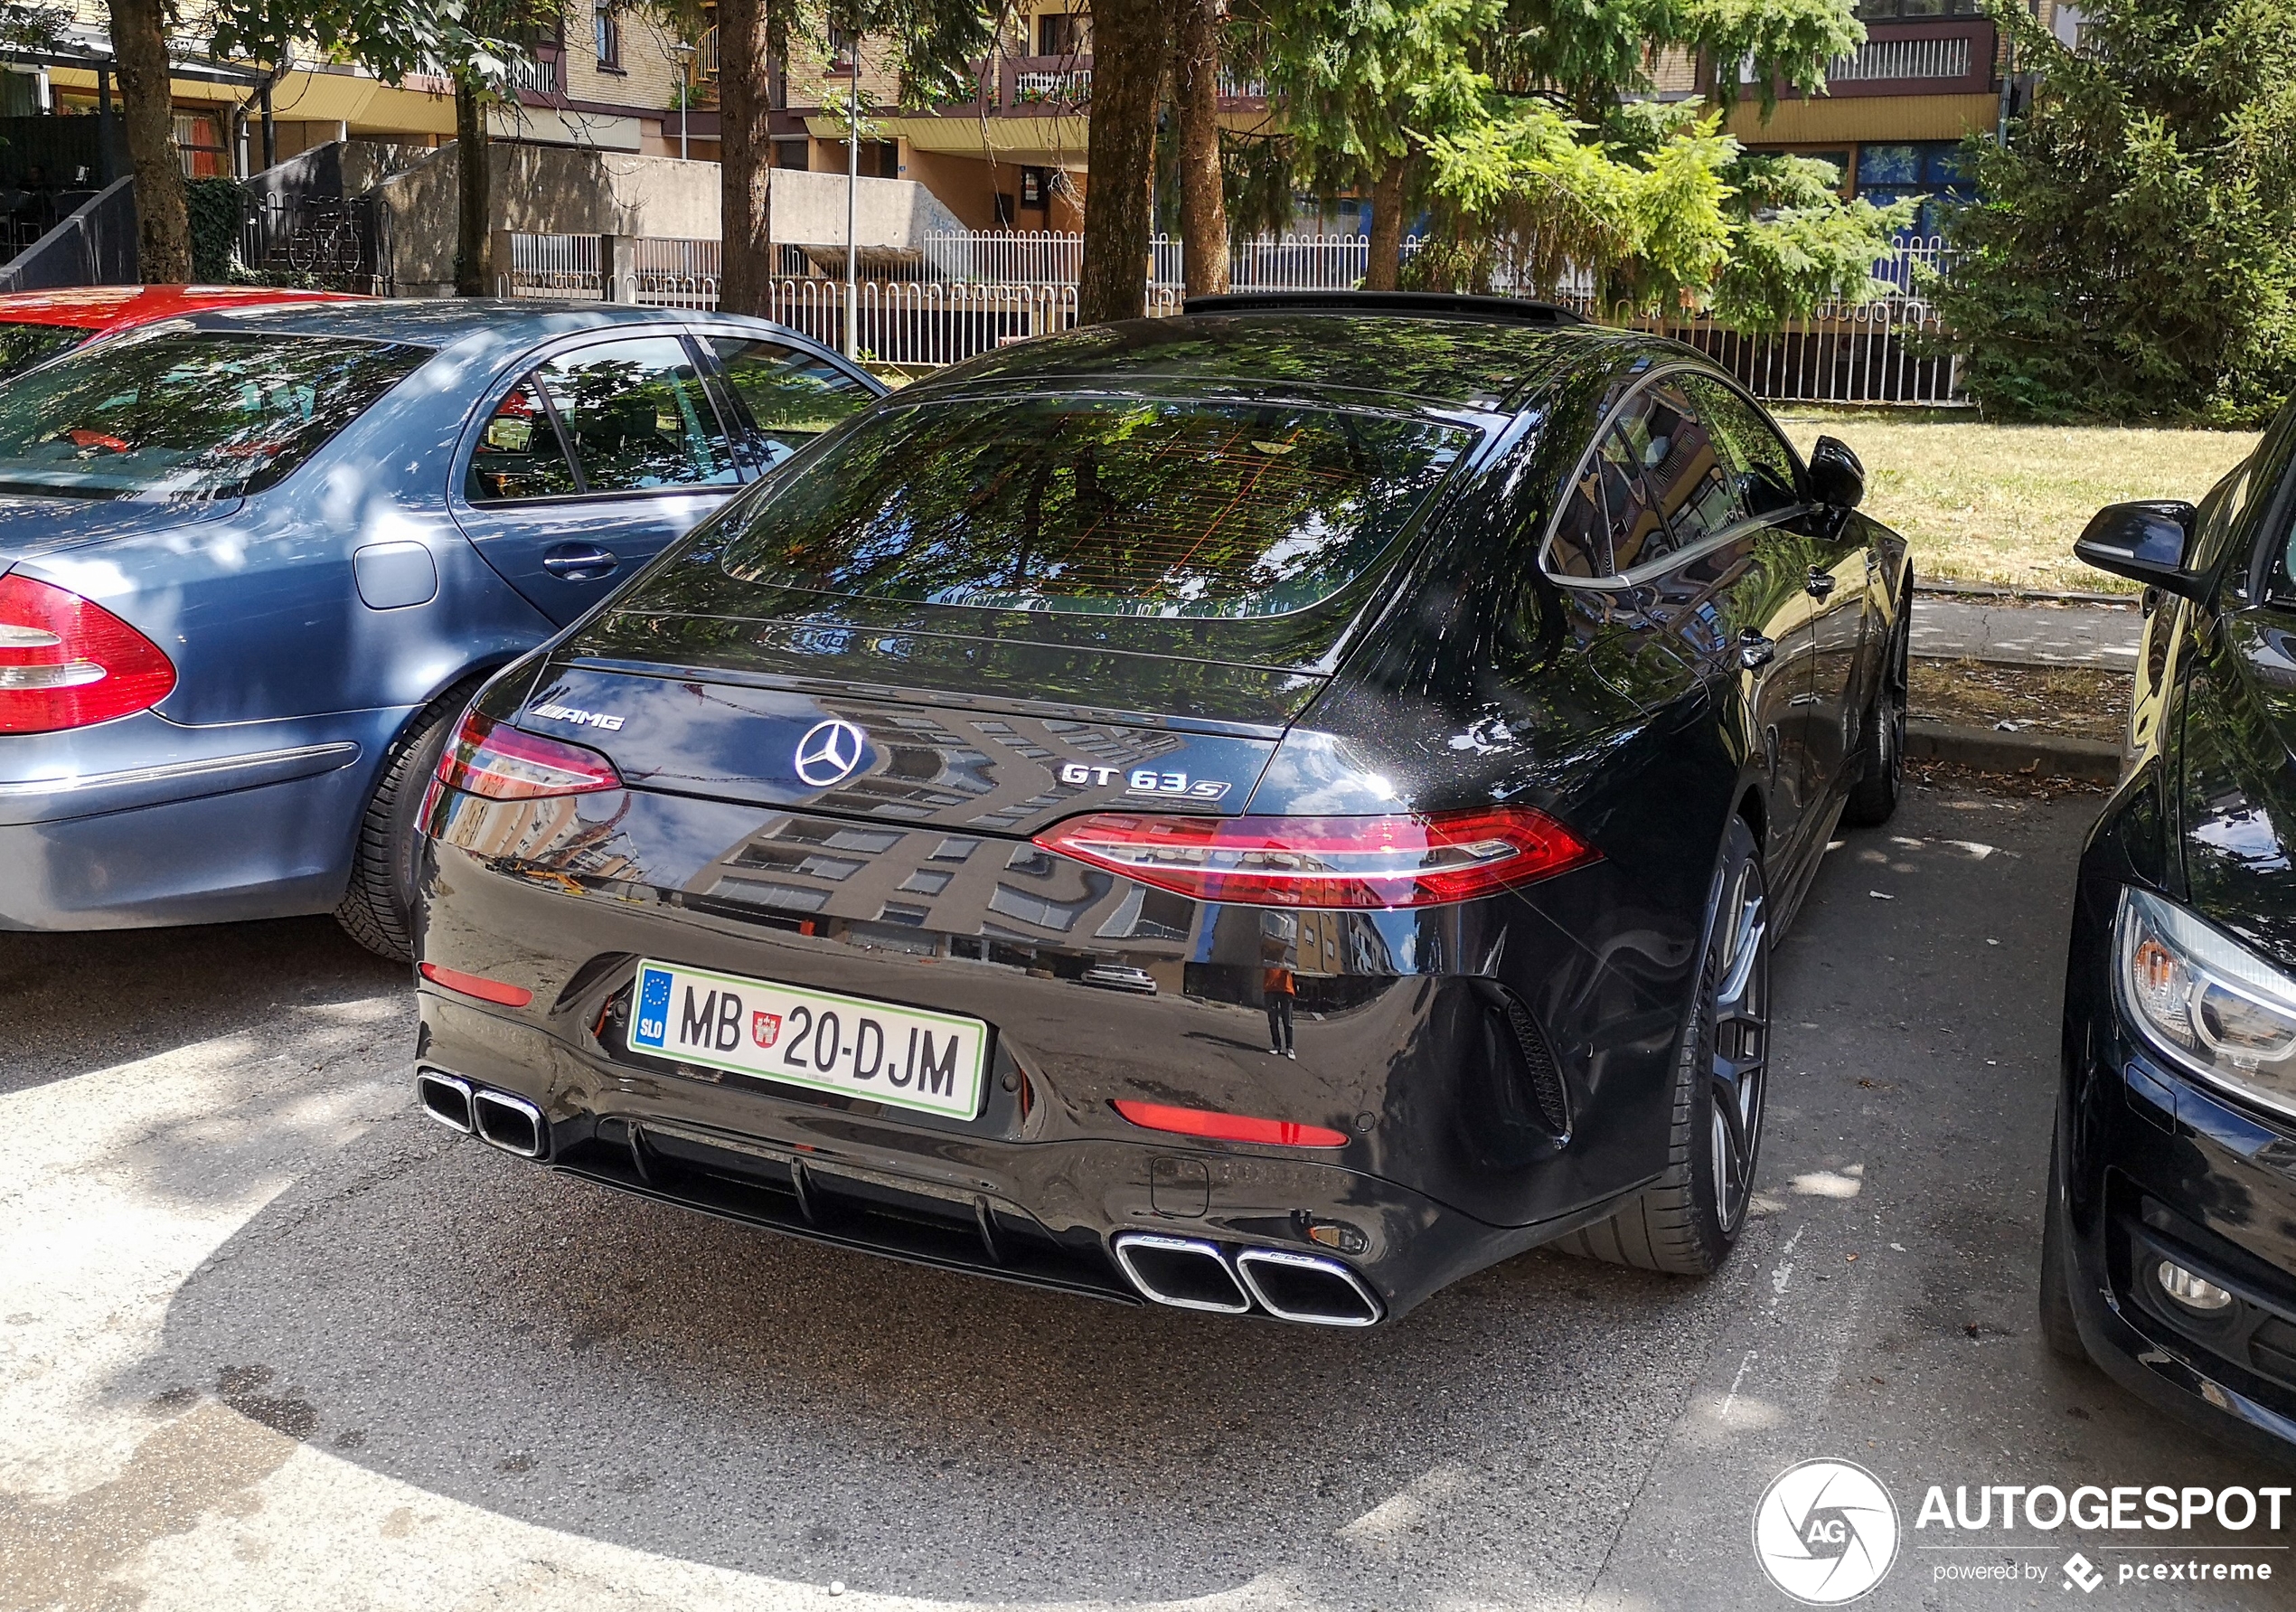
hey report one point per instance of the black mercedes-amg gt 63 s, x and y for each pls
(1267, 811)
(2168, 1254)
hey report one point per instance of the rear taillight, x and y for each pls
(488, 759)
(1342, 862)
(66, 662)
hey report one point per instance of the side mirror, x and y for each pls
(2145, 542)
(1836, 478)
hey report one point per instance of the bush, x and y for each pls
(217, 208)
(2134, 253)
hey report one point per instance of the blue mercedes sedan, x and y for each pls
(253, 564)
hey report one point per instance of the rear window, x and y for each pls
(187, 415)
(1099, 505)
(24, 345)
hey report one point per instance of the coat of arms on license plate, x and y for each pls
(764, 1029)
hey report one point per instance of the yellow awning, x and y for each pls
(312, 96)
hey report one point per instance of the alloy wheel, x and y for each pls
(1739, 1060)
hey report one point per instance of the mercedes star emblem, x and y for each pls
(829, 752)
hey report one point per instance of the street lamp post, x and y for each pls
(853, 198)
(686, 53)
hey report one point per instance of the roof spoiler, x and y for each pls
(1431, 304)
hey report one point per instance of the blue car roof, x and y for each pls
(440, 322)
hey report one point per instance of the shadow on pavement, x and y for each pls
(552, 1351)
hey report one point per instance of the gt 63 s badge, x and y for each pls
(1145, 780)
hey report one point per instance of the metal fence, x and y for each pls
(1887, 351)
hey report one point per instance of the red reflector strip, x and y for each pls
(478, 985)
(1228, 1128)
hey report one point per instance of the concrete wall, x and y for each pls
(548, 190)
(809, 210)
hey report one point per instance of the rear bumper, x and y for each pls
(143, 823)
(1045, 1213)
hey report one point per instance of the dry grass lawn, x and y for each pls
(2002, 503)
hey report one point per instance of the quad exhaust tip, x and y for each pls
(1306, 1288)
(445, 1098)
(510, 1123)
(1185, 1272)
(1192, 1273)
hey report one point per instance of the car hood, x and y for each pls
(2236, 796)
(32, 526)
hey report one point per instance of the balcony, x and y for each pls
(1058, 85)
(537, 74)
(1947, 56)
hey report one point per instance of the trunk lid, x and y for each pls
(32, 526)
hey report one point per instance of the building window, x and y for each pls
(608, 33)
(1931, 168)
(841, 51)
(1060, 33)
(793, 151)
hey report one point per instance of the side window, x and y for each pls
(1610, 520)
(1768, 478)
(1696, 490)
(792, 397)
(637, 417)
(519, 454)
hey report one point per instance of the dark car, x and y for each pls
(2170, 1250)
(1442, 702)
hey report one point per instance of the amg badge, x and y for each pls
(586, 718)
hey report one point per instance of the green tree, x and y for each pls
(1525, 130)
(2134, 253)
(1795, 243)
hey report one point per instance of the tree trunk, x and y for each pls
(1128, 46)
(475, 203)
(163, 223)
(1385, 257)
(745, 155)
(1203, 201)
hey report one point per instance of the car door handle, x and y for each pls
(1754, 651)
(1821, 583)
(579, 563)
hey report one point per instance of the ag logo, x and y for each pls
(1825, 1532)
(829, 752)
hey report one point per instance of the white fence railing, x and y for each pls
(1901, 59)
(1881, 352)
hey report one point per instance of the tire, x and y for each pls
(1881, 746)
(378, 908)
(2059, 1330)
(1688, 1223)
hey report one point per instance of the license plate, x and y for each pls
(899, 1056)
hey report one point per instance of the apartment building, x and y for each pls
(1894, 112)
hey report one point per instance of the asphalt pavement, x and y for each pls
(270, 1340)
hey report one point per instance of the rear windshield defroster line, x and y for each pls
(187, 414)
(1098, 505)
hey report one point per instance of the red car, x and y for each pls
(35, 326)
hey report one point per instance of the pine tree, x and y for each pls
(2134, 252)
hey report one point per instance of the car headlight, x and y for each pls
(2207, 1001)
